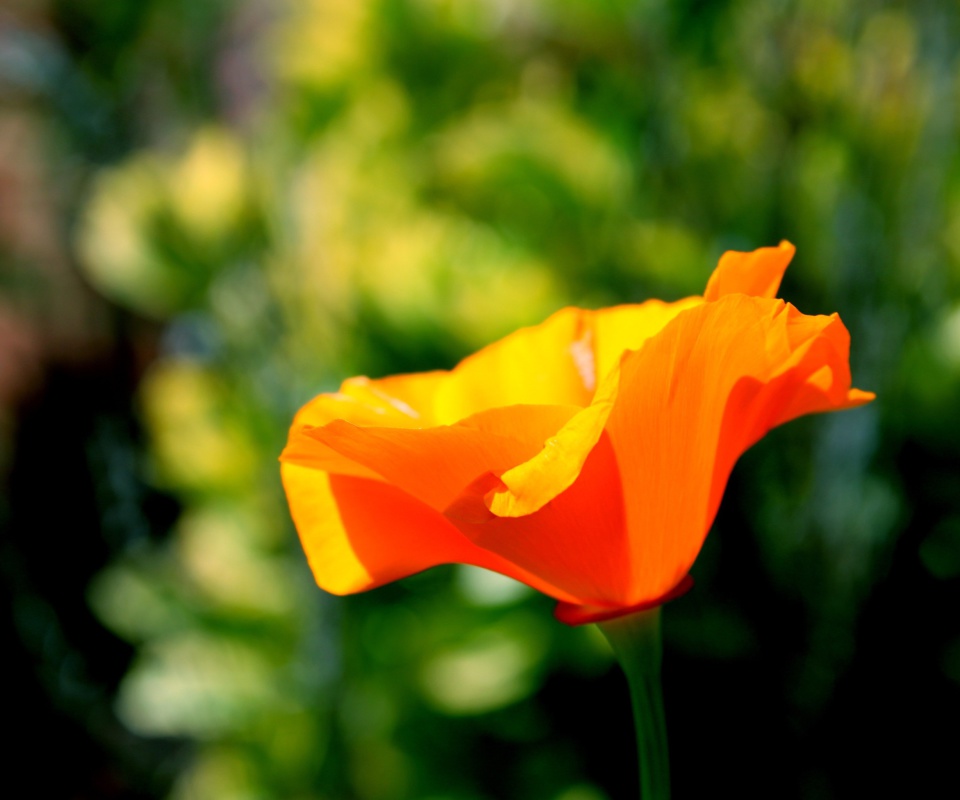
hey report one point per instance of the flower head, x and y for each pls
(585, 456)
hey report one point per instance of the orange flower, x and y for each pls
(585, 456)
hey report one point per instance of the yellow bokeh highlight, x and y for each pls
(196, 684)
(209, 185)
(113, 240)
(491, 669)
(157, 226)
(363, 235)
(196, 445)
(218, 773)
(322, 43)
(220, 556)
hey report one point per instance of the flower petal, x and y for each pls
(627, 327)
(540, 365)
(726, 372)
(611, 332)
(362, 401)
(437, 464)
(814, 377)
(577, 542)
(679, 412)
(757, 273)
(528, 486)
(359, 534)
(305, 450)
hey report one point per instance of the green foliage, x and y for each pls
(401, 181)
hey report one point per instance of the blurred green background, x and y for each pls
(210, 212)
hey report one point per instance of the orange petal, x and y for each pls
(436, 464)
(305, 450)
(724, 374)
(359, 534)
(401, 402)
(528, 486)
(398, 402)
(627, 327)
(814, 377)
(531, 484)
(757, 273)
(577, 542)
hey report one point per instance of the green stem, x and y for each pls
(635, 639)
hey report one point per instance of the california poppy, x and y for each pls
(585, 456)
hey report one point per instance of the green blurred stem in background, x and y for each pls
(635, 639)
